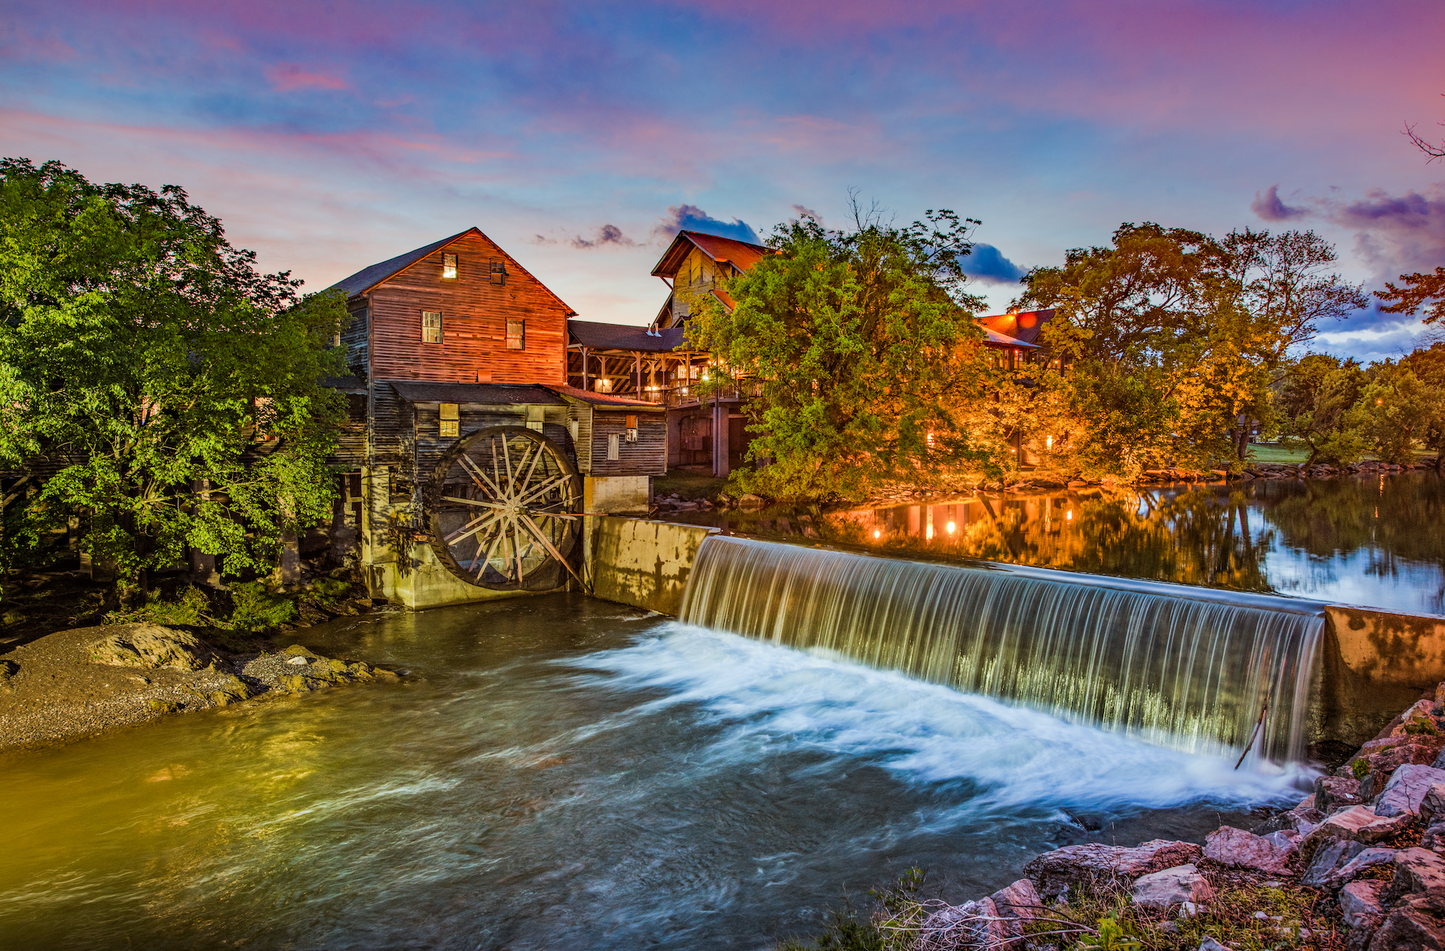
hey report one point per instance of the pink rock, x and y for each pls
(1406, 791)
(1239, 849)
(1358, 824)
(1054, 871)
(1417, 872)
(1172, 887)
(1016, 905)
(1360, 902)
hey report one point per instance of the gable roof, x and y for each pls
(1024, 326)
(740, 254)
(607, 400)
(592, 333)
(368, 277)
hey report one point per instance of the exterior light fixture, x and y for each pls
(877, 533)
(1069, 515)
(951, 527)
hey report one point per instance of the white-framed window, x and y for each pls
(450, 414)
(449, 266)
(516, 335)
(613, 442)
(431, 327)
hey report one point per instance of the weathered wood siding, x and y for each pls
(474, 313)
(350, 453)
(647, 456)
(430, 447)
(356, 337)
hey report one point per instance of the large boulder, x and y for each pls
(153, 646)
(1172, 887)
(1239, 849)
(1406, 790)
(1093, 863)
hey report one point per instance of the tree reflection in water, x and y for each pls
(1242, 536)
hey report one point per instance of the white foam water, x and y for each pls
(764, 697)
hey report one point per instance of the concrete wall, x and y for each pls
(427, 584)
(614, 494)
(1373, 665)
(641, 563)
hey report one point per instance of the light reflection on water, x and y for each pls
(1374, 542)
(560, 773)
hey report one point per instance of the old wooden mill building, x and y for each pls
(470, 460)
(487, 424)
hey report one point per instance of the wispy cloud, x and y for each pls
(1270, 207)
(287, 77)
(606, 235)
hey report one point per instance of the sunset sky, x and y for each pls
(329, 136)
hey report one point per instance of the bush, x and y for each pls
(256, 609)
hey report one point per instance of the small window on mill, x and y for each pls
(431, 327)
(499, 272)
(516, 335)
(449, 266)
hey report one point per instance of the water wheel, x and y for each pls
(504, 510)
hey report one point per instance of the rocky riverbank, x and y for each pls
(1358, 865)
(72, 684)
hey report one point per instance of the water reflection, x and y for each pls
(1374, 542)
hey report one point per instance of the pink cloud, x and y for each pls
(285, 77)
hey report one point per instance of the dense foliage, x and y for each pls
(1174, 340)
(863, 349)
(168, 392)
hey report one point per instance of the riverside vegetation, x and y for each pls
(1357, 865)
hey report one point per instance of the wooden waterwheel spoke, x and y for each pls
(491, 549)
(507, 467)
(477, 502)
(478, 476)
(521, 520)
(541, 537)
(539, 491)
(467, 529)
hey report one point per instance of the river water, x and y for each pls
(558, 772)
(1375, 542)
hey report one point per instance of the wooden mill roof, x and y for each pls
(740, 254)
(601, 336)
(369, 277)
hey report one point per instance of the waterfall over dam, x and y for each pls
(1191, 668)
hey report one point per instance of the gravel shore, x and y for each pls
(74, 684)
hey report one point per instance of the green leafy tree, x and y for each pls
(1428, 363)
(1400, 411)
(1317, 399)
(1124, 315)
(1175, 339)
(151, 380)
(860, 345)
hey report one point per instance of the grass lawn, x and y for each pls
(688, 485)
(1270, 452)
